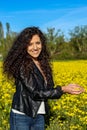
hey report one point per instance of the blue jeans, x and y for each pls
(24, 122)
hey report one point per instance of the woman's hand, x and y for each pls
(73, 89)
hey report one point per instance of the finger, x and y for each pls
(81, 89)
(76, 92)
(78, 88)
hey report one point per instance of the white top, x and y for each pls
(18, 112)
(41, 108)
(40, 111)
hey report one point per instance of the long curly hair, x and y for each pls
(18, 56)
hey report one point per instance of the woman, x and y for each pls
(28, 63)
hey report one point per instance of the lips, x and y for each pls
(35, 52)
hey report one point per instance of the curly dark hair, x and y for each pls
(18, 56)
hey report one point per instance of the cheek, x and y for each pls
(41, 47)
(29, 50)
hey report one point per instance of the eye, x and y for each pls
(30, 44)
(38, 42)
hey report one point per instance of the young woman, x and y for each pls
(28, 63)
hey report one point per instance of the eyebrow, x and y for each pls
(35, 42)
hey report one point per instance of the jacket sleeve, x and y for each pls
(38, 94)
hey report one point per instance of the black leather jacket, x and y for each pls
(30, 91)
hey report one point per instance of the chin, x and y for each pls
(35, 57)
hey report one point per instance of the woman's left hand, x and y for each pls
(73, 89)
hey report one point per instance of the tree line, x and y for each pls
(60, 48)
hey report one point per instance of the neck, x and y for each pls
(35, 61)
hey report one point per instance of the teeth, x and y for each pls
(35, 52)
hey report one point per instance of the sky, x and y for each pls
(58, 14)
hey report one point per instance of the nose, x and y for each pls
(34, 46)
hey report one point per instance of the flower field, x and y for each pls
(67, 113)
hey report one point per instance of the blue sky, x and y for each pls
(60, 14)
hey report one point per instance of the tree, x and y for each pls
(8, 29)
(1, 31)
(79, 38)
(55, 38)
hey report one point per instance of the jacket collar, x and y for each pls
(37, 71)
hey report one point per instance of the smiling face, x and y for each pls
(34, 47)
